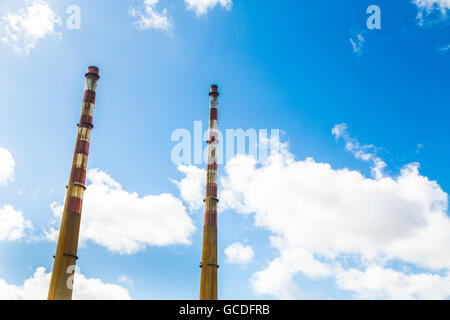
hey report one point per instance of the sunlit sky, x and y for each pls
(353, 206)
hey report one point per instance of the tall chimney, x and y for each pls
(209, 266)
(61, 284)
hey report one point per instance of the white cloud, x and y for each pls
(277, 278)
(23, 29)
(125, 279)
(320, 217)
(192, 187)
(126, 223)
(430, 5)
(36, 288)
(339, 130)
(427, 7)
(379, 283)
(150, 18)
(7, 165)
(237, 253)
(201, 7)
(445, 49)
(12, 224)
(360, 152)
(358, 43)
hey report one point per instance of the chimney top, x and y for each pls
(93, 72)
(214, 90)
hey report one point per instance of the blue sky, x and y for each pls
(289, 65)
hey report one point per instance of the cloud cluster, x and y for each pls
(321, 217)
(192, 186)
(384, 283)
(7, 165)
(360, 152)
(277, 278)
(427, 7)
(13, 225)
(36, 288)
(237, 253)
(126, 223)
(201, 7)
(358, 44)
(22, 30)
(150, 18)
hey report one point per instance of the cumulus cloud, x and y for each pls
(192, 187)
(36, 288)
(427, 7)
(277, 278)
(379, 283)
(23, 29)
(321, 217)
(237, 253)
(201, 7)
(358, 43)
(150, 18)
(13, 225)
(360, 152)
(7, 165)
(126, 223)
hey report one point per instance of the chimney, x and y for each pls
(61, 284)
(209, 266)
